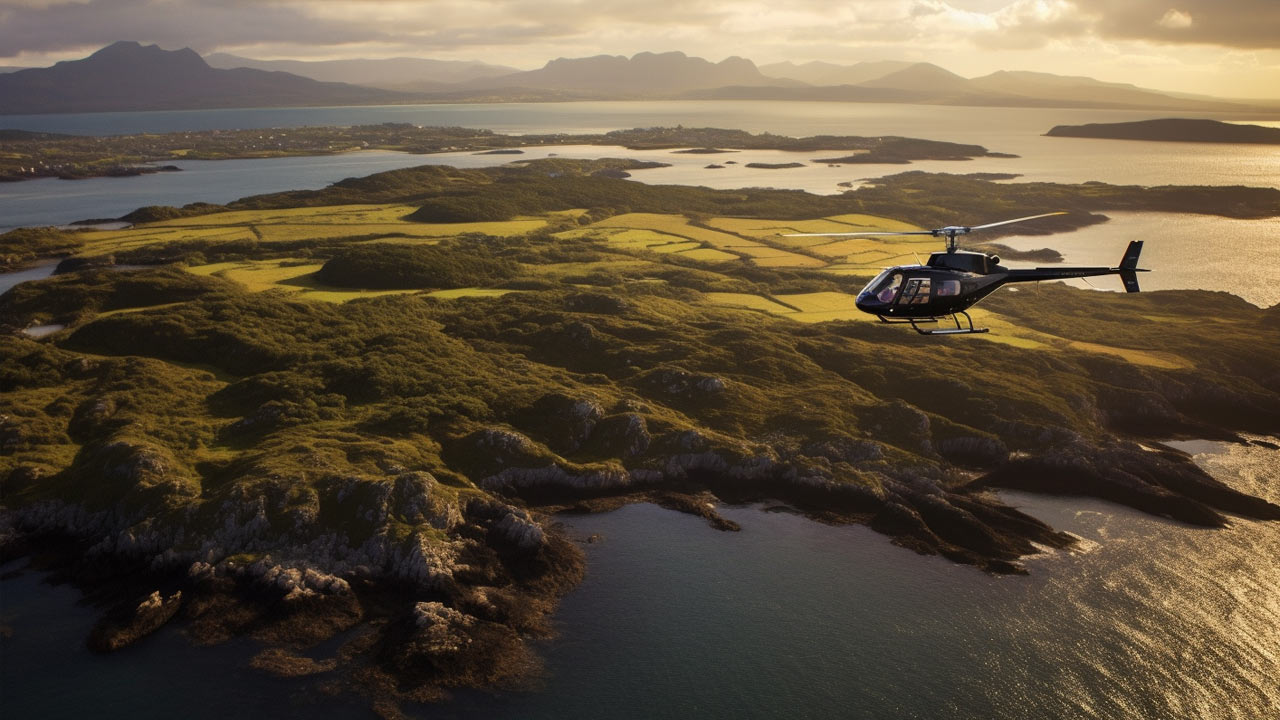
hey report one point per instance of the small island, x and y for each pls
(1173, 130)
(28, 155)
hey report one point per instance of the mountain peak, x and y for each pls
(921, 76)
(130, 52)
(127, 76)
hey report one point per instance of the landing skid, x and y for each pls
(955, 317)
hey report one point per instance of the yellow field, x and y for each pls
(709, 255)
(801, 307)
(762, 228)
(647, 229)
(747, 300)
(468, 292)
(817, 302)
(295, 224)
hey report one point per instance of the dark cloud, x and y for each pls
(1231, 23)
(541, 29)
(203, 27)
(53, 26)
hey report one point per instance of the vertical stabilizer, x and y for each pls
(1130, 259)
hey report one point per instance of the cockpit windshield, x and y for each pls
(885, 286)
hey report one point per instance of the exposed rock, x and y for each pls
(597, 303)
(517, 528)
(677, 384)
(1162, 484)
(603, 476)
(294, 583)
(564, 422)
(440, 627)
(845, 449)
(122, 629)
(974, 450)
(625, 435)
(91, 419)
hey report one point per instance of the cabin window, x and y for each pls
(916, 292)
(947, 288)
(886, 286)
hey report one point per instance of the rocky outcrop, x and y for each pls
(675, 384)
(1162, 483)
(115, 632)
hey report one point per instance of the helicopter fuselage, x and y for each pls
(953, 281)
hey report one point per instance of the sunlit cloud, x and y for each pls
(1175, 20)
(971, 37)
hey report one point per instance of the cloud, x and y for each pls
(1227, 23)
(1175, 20)
(45, 27)
(531, 31)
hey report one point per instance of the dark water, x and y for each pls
(790, 618)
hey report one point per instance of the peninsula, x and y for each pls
(27, 155)
(1173, 130)
(350, 413)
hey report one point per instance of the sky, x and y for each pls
(1226, 48)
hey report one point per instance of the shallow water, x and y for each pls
(8, 280)
(1185, 252)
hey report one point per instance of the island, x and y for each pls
(27, 155)
(1173, 130)
(352, 414)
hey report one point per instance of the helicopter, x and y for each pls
(951, 282)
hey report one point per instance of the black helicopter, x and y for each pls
(953, 281)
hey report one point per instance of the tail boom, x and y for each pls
(1128, 270)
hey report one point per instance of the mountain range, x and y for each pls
(130, 76)
(402, 73)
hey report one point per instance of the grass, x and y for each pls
(716, 240)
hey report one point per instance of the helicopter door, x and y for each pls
(916, 292)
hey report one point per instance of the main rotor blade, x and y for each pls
(860, 234)
(1016, 220)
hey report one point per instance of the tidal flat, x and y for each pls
(352, 413)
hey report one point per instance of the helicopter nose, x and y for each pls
(868, 303)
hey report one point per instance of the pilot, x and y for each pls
(886, 295)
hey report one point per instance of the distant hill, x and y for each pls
(1173, 130)
(928, 84)
(824, 73)
(921, 77)
(643, 74)
(1087, 91)
(129, 76)
(11, 68)
(392, 73)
